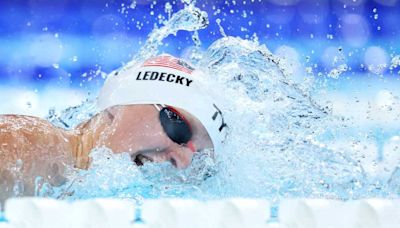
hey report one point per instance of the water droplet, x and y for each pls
(133, 5)
(244, 14)
(221, 29)
(395, 61)
(168, 9)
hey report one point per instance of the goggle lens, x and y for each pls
(175, 125)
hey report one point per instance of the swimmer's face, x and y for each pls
(136, 129)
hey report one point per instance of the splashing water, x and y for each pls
(281, 142)
(71, 117)
(188, 19)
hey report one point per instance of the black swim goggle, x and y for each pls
(175, 125)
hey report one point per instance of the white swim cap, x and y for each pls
(164, 80)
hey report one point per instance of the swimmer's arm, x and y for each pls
(31, 147)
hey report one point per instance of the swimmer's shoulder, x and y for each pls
(14, 122)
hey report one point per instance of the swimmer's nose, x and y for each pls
(180, 156)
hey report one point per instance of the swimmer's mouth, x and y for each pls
(140, 159)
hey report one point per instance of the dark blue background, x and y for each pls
(66, 42)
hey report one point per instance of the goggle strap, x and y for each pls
(159, 106)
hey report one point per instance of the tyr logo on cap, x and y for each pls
(214, 117)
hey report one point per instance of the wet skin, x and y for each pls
(37, 148)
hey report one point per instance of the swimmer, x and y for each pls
(156, 112)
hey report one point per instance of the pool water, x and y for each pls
(284, 140)
(287, 137)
